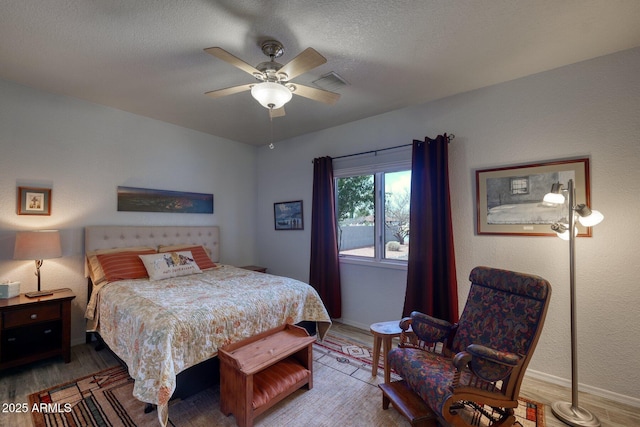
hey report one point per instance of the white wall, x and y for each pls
(84, 152)
(588, 109)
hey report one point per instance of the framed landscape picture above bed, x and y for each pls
(134, 199)
(509, 200)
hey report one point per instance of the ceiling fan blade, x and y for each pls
(316, 94)
(305, 61)
(278, 112)
(229, 90)
(220, 53)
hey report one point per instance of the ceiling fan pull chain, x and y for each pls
(271, 146)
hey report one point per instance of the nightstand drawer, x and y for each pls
(34, 338)
(30, 315)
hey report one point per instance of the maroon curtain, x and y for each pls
(324, 272)
(431, 274)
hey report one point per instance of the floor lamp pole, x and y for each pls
(571, 413)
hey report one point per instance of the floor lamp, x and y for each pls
(570, 412)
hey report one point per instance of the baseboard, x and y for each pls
(354, 324)
(606, 394)
(77, 341)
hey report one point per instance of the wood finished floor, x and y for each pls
(16, 385)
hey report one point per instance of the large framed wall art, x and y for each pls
(509, 200)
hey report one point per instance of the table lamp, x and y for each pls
(37, 245)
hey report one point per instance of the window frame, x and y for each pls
(516, 186)
(377, 170)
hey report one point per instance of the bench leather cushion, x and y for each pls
(277, 378)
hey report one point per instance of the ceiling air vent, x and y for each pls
(330, 81)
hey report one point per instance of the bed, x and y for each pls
(525, 213)
(160, 326)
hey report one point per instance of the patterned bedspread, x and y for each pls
(160, 328)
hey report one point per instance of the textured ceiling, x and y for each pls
(146, 56)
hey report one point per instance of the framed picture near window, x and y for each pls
(509, 200)
(288, 215)
(34, 201)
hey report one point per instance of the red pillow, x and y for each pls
(124, 265)
(200, 255)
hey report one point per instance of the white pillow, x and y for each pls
(169, 264)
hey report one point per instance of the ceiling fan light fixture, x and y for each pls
(271, 95)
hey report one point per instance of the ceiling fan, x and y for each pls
(274, 87)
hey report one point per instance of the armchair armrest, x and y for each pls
(429, 329)
(407, 339)
(405, 323)
(486, 363)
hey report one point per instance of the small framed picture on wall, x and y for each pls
(288, 215)
(34, 201)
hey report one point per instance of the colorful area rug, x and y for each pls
(353, 353)
(101, 399)
(105, 398)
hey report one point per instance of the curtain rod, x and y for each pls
(449, 138)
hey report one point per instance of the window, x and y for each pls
(519, 186)
(373, 213)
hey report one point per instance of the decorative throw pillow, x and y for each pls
(200, 254)
(123, 265)
(94, 270)
(170, 264)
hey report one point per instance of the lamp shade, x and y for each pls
(34, 245)
(588, 217)
(562, 230)
(271, 95)
(594, 219)
(555, 196)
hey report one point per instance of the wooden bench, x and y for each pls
(260, 371)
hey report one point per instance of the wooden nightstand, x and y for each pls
(35, 328)
(255, 268)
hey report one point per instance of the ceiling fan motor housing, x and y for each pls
(269, 72)
(273, 49)
(269, 69)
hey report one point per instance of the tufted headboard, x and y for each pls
(122, 236)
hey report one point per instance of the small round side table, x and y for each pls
(383, 333)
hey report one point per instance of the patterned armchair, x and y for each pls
(478, 361)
